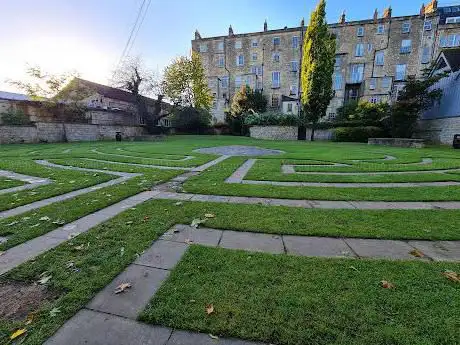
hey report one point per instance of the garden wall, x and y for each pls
(440, 131)
(58, 132)
(286, 133)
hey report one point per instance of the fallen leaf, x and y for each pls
(55, 311)
(129, 222)
(80, 247)
(196, 222)
(451, 275)
(354, 268)
(29, 319)
(122, 251)
(73, 235)
(188, 241)
(122, 287)
(146, 218)
(12, 223)
(18, 333)
(417, 253)
(44, 280)
(209, 215)
(387, 284)
(70, 264)
(45, 218)
(213, 336)
(178, 203)
(209, 309)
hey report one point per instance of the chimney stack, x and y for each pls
(302, 22)
(376, 16)
(197, 35)
(387, 13)
(230, 31)
(422, 10)
(265, 26)
(431, 7)
(342, 18)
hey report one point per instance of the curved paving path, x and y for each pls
(31, 181)
(186, 158)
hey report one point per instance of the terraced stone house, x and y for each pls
(374, 58)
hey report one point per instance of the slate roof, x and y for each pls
(453, 58)
(13, 96)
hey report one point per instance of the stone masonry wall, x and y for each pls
(285, 133)
(58, 132)
(439, 131)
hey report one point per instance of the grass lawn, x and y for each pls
(293, 300)
(9, 183)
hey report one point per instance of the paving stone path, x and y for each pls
(110, 319)
(186, 158)
(31, 181)
(239, 150)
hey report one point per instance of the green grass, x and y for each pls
(292, 300)
(9, 183)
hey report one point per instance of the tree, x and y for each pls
(248, 100)
(132, 75)
(185, 83)
(317, 68)
(417, 96)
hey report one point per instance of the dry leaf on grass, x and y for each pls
(122, 287)
(213, 336)
(178, 203)
(209, 215)
(44, 279)
(196, 222)
(188, 241)
(451, 275)
(18, 333)
(387, 285)
(209, 309)
(55, 311)
(417, 253)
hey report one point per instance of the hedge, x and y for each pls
(357, 134)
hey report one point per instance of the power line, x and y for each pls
(139, 13)
(139, 26)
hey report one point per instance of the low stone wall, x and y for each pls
(286, 133)
(397, 142)
(439, 131)
(58, 132)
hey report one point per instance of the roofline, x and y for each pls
(299, 28)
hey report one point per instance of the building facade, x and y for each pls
(374, 58)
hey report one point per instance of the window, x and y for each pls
(386, 83)
(359, 51)
(220, 46)
(369, 47)
(426, 55)
(405, 28)
(276, 57)
(224, 82)
(400, 72)
(259, 84)
(257, 70)
(338, 81)
(238, 44)
(255, 43)
(293, 90)
(332, 116)
(360, 31)
(276, 80)
(380, 58)
(338, 61)
(406, 46)
(238, 81)
(452, 20)
(374, 99)
(357, 73)
(427, 25)
(276, 41)
(275, 101)
(453, 40)
(203, 48)
(240, 60)
(220, 61)
(380, 29)
(289, 107)
(294, 66)
(254, 56)
(372, 83)
(295, 42)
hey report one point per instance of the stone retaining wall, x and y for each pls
(286, 133)
(439, 131)
(58, 132)
(397, 142)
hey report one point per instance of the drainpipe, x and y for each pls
(228, 71)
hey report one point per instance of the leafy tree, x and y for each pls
(185, 83)
(363, 111)
(248, 100)
(317, 68)
(417, 96)
(191, 120)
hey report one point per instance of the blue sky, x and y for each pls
(89, 35)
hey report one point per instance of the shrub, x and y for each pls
(357, 134)
(15, 118)
(192, 120)
(271, 119)
(363, 111)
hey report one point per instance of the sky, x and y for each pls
(88, 36)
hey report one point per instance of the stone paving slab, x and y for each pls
(373, 248)
(439, 251)
(290, 203)
(331, 204)
(92, 328)
(317, 246)
(193, 338)
(210, 198)
(448, 205)
(188, 234)
(145, 281)
(238, 150)
(31, 181)
(349, 184)
(163, 254)
(159, 167)
(390, 205)
(252, 241)
(210, 164)
(239, 174)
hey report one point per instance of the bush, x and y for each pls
(271, 119)
(15, 118)
(192, 120)
(357, 134)
(363, 111)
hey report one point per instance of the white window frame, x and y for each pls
(289, 107)
(277, 97)
(380, 29)
(220, 61)
(220, 46)
(406, 27)
(295, 42)
(427, 25)
(276, 80)
(406, 46)
(380, 58)
(357, 73)
(275, 40)
(203, 48)
(360, 31)
(426, 55)
(374, 99)
(385, 81)
(254, 55)
(254, 43)
(238, 81)
(372, 83)
(359, 50)
(294, 66)
(224, 82)
(238, 44)
(400, 74)
(338, 81)
(276, 57)
(452, 20)
(240, 60)
(293, 90)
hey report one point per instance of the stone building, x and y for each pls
(374, 58)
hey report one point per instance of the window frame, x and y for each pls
(397, 78)
(219, 45)
(256, 45)
(427, 27)
(406, 49)
(295, 42)
(238, 44)
(276, 57)
(406, 27)
(238, 62)
(274, 80)
(361, 45)
(220, 61)
(379, 61)
(200, 48)
(380, 26)
(296, 64)
(276, 39)
(360, 31)
(222, 84)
